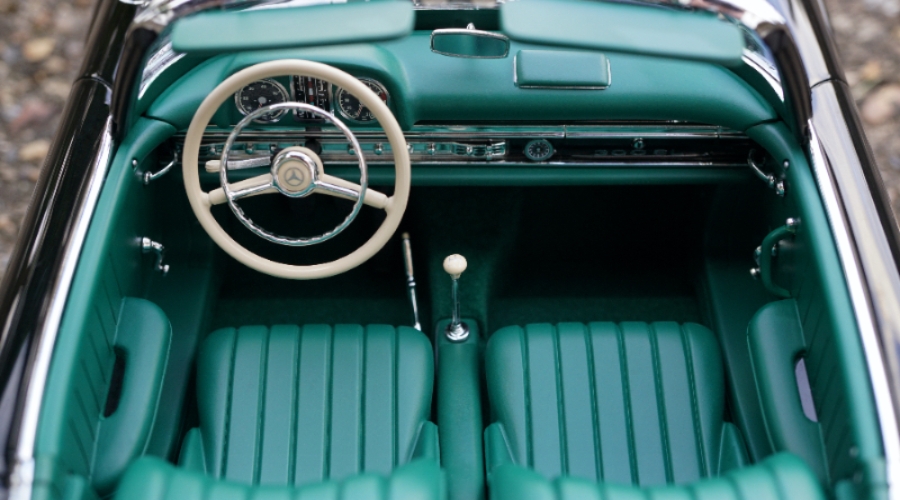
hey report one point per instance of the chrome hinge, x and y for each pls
(773, 181)
(150, 246)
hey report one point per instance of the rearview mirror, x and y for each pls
(469, 42)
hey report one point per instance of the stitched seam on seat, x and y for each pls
(692, 491)
(626, 395)
(261, 418)
(395, 455)
(261, 413)
(529, 452)
(595, 415)
(782, 492)
(295, 411)
(361, 437)
(560, 404)
(326, 471)
(228, 402)
(661, 404)
(735, 486)
(695, 410)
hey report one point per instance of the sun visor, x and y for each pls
(616, 27)
(289, 27)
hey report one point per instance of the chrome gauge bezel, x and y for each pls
(543, 142)
(274, 118)
(336, 101)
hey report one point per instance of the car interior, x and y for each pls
(648, 302)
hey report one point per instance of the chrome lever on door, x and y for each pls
(150, 246)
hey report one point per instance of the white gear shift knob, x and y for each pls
(455, 265)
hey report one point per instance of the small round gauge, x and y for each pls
(538, 150)
(258, 94)
(350, 107)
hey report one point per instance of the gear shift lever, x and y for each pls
(455, 265)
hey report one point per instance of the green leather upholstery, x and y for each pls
(153, 479)
(291, 405)
(622, 411)
(782, 476)
(631, 403)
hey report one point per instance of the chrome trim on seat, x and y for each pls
(861, 303)
(22, 470)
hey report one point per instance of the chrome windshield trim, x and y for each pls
(766, 69)
(860, 299)
(158, 62)
(22, 473)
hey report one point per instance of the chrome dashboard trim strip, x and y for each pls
(859, 296)
(22, 473)
(662, 131)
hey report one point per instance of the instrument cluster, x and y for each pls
(307, 90)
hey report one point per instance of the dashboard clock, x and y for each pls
(258, 94)
(538, 150)
(351, 108)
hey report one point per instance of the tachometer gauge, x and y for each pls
(350, 107)
(258, 94)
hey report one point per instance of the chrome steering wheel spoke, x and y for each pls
(295, 172)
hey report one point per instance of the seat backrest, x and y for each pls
(631, 403)
(294, 405)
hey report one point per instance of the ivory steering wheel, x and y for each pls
(296, 172)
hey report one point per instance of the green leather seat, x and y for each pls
(632, 404)
(296, 412)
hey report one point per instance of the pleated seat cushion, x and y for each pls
(292, 405)
(153, 479)
(629, 403)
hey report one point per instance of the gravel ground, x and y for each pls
(41, 44)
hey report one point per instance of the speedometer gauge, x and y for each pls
(350, 107)
(258, 94)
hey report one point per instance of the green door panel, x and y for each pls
(459, 412)
(834, 361)
(143, 335)
(776, 343)
(428, 86)
(110, 268)
(733, 300)
(780, 477)
(620, 27)
(291, 405)
(231, 30)
(154, 479)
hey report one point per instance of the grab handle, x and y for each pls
(767, 250)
